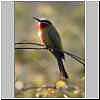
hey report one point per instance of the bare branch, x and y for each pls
(77, 58)
(32, 48)
(31, 43)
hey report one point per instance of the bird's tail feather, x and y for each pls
(62, 69)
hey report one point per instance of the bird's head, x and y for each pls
(42, 23)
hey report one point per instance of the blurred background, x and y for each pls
(36, 68)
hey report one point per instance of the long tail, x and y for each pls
(62, 69)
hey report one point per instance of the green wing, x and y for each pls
(54, 39)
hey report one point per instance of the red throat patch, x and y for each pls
(43, 25)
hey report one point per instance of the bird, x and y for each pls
(50, 38)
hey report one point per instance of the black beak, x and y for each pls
(37, 19)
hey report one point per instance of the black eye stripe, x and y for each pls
(46, 21)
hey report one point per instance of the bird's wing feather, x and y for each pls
(54, 38)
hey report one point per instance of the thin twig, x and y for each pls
(31, 43)
(32, 48)
(77, 58)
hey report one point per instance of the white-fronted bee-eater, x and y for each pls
(50, 38)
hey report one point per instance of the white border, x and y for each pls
(85, 55)
(7, 48)
(92, 50)
(0, 50)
